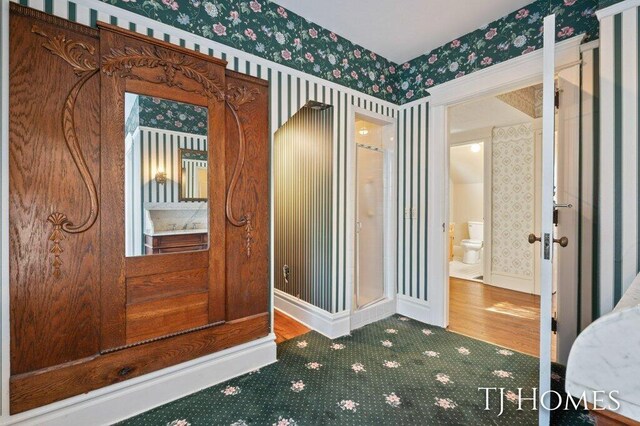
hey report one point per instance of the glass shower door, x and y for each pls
(369, 225)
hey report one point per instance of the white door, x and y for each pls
(546, 239)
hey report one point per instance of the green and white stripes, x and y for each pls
(619, 231)
(413, 129)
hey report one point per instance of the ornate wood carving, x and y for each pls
(80, 57)
(237, 96)
(121, 62)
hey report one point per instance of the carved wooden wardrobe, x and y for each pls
(84, 314)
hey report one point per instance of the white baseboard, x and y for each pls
(325, 323)
(513, 282)
(123, 400)
(416, 309)
(373, 313)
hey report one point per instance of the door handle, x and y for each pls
(563, 241)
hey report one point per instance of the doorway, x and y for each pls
(494, 194)
(513, 75)
(372, 154)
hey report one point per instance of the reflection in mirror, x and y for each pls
(193, 175)
(166, 209)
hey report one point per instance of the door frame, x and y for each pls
(484, 136)
(516, 73)
(390, 154)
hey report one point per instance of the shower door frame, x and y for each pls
(389, 208)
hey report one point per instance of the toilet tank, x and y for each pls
(476, 230)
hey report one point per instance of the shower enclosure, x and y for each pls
(369, 283)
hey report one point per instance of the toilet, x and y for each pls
(473, 245)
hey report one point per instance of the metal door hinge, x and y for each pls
(554, 325)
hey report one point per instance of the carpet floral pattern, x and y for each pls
(395, 371)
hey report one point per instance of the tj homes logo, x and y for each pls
(560, 401)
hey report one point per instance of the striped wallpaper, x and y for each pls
(302, 173)
(159, 150)
(290, 90)
(413, 129)
(619, 159)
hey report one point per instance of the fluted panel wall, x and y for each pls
(303, 194)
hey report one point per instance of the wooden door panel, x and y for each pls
(147, 288)
(134, 63)
(165, 316)
(54, 276)
(247, 254)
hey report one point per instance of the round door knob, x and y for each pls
(564, 241)
(533, 238)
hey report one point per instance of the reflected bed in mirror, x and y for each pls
(166, 176)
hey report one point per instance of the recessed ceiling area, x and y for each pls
(484, 113)
(402, 30)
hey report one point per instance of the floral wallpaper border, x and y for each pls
(172, 115)
(265, 29)
(513, 35)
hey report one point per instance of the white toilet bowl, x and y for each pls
(473, 245)
(471, 250)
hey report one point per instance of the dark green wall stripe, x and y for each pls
(398, 205)
(412, 202)
(426, 197)
(419, 203)
(93, 17)
(71, 11)
(595, 275)
(404, 201)
(617, 194)
(638, 141)
(339, 169)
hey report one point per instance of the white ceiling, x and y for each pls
(483, 113)
(401, 30)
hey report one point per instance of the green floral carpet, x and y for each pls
(394, 372)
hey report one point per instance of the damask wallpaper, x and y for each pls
(513, 183)
(272, 32)
(515, 34)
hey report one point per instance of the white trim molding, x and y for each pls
(512, 74)
(325, 323)
(120, 401)
(416, 309)
(614, 9)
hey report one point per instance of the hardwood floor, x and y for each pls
(496, 315)
(286, 327)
